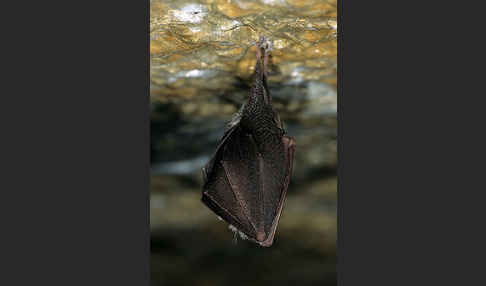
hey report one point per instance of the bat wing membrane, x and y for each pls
(218, 193)
(246, 185)
(289, 147)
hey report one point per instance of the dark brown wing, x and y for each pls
(241, 161)
(209, 166)
(219, 197)
(246, 183)
(289, 147)
(218, 193)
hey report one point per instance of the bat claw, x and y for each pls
(267, 46)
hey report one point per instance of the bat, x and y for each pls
(246, 180)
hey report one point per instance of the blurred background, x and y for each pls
(202, 60)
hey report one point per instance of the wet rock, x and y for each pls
(213, 40)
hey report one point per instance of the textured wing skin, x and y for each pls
(209, 166)
(220, 197)
(289, 145)
(241, 161)
(232, 183)
(247, 182)
(273, 169)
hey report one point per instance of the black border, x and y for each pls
(75, 147)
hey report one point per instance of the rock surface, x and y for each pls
(202, 58)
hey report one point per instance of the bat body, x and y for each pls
(246, 181)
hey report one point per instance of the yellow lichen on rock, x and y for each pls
(232, 10)
(220, 35)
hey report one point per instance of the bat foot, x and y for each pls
(263, 44)
(266, 45)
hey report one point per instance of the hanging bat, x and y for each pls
(246, 181)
